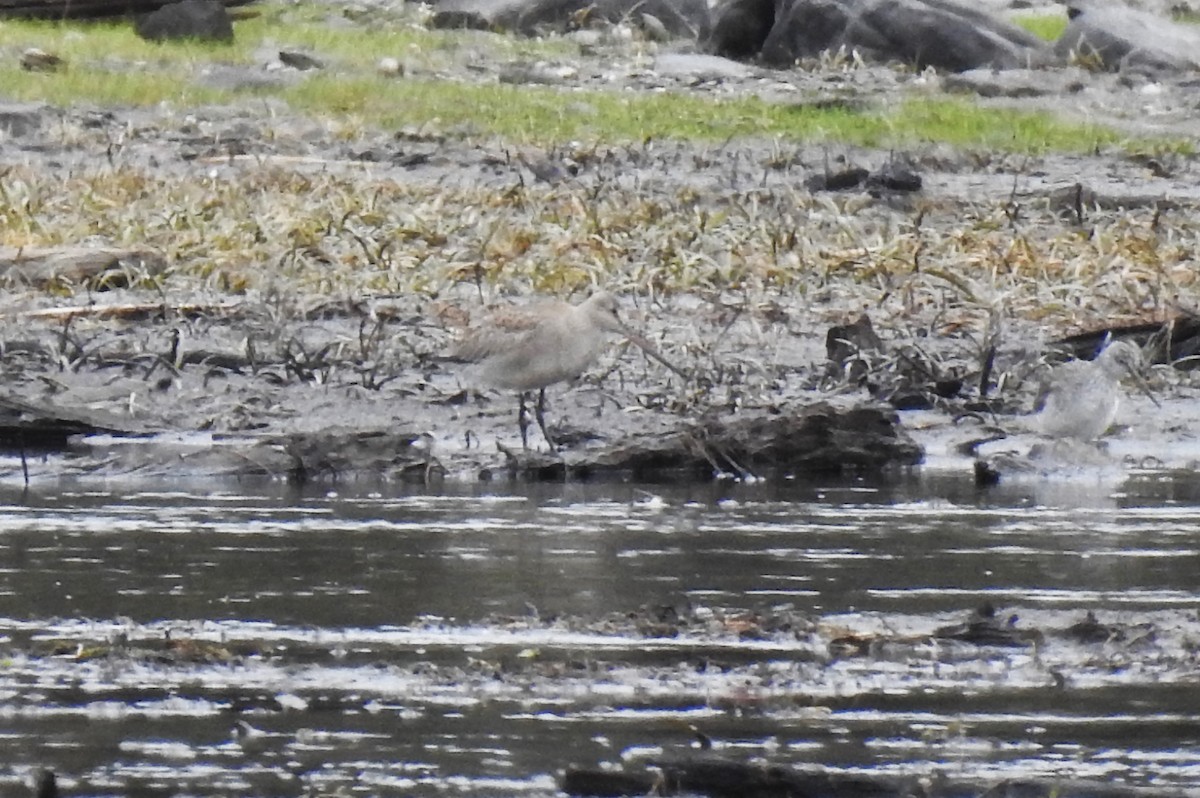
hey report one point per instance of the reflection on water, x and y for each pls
(397, 624)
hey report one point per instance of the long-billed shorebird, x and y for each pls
(1080, 399)
(533, 347)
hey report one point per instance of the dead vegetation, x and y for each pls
(297, 258)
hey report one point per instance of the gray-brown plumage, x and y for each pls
(1080, 399)
(533, 347)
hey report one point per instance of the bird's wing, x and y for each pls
(504, 331)
(1059, 381)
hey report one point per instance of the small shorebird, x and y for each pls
(1080, 398)
(533, 347)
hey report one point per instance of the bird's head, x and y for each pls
(603, 308)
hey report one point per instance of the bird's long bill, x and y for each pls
(649, 349)
(1144, 386)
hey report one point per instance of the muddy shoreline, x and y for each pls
(332, 314)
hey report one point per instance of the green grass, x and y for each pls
(344, 43)
(545, 115)
(110, 65)
(105, 88)
(1045, 26)
(1051, 26)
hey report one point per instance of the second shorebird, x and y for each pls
(532, 347)
(1080, 398)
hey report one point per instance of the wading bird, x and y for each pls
(532, 347)
(1080, 399)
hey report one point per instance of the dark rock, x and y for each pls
(1115, 37)
(21, 119)
(848, 347)
(924, 33)
(983, 628)
(1090, 630)
(46, 428)
(986, 474)
(45, 785)
(894, 177)
(299, 60)
(607, 783)
(842, 180)
(206, 20)
(677, 17)
(740, 27)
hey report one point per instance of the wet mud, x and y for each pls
(331, 316)
(238, 383)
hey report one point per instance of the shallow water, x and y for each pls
(477, 642)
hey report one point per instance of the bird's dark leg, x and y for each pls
(540, 415)
(523, 421)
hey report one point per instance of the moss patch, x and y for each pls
(1044, 26)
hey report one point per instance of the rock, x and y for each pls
(850, 349)
(206, 20)
(700, 65)
(393, 455)
(1115, 38)
(301, 61)
(740, 27)
(46, 428)
(21, 119)
(841, 180)
(539, 73)
(1091, 631)
(37, 60)
(390, 67)
(45, 785)
(653, 28)
(892, 177)
(676, 17)
(983, 627)
(1017, 82)
(937, 33)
